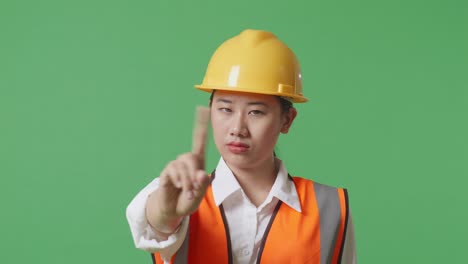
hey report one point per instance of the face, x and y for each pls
(246, 127)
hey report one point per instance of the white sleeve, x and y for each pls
(349, 250)
(143, 235)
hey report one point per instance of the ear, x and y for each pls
(288, 120)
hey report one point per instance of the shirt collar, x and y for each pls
(225, 183)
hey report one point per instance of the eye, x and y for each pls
(225, 109)
(256, 112)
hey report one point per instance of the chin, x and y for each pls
(241, 161)
(238, 161)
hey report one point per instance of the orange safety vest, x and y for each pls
(316, 235)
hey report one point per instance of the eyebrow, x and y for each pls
(249, 103)
(257, 103)
(224, 100)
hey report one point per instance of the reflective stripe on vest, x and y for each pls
(316, 235)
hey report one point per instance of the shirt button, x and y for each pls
(245, 252)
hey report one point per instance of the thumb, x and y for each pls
(202, 180)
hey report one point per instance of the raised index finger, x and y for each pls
(200, 131)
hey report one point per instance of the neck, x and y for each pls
(256, 182)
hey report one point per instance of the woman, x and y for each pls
(249, 209)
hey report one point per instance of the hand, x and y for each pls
(182, 182)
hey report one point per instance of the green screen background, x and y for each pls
(97, 96)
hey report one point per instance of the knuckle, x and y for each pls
(171, 164)
(184, 156)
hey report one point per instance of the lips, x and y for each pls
(237, 147)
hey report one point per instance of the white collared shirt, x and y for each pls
(247, 223)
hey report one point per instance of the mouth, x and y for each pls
(237, 147)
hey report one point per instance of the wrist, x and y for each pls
(161, 222)
(163, 232)
(166, 225)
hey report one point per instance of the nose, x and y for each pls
(239, 126)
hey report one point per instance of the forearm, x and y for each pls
(162, 224)
(144, 236)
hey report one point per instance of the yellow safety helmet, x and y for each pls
(255, 61)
